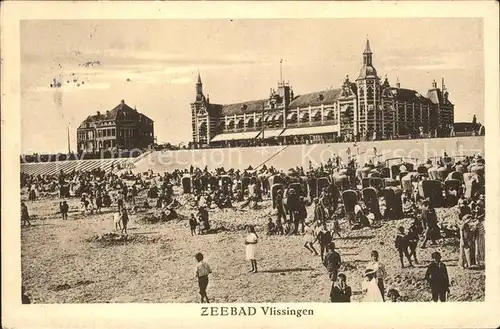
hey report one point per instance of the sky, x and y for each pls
(153, 66)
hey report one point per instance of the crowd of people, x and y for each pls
(299, 188)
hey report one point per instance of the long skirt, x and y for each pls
(480, 249)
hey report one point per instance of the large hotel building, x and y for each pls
(120, 128)
(364, 108)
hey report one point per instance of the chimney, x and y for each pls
(398, 85)
(98, 113)
(122, 102)
(107, 112)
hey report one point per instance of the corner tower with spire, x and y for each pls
(368, 86)
(203, 116)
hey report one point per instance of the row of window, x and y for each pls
(126, 133)
(106, 132)
(292, 119)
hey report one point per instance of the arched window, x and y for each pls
(369, 92)
(361, 92)
(203, 128)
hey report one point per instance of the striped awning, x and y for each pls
(310, 130)
(291, 116)
(278, 117)
(268, 118)
(236, 136)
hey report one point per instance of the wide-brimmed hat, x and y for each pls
(369, 271)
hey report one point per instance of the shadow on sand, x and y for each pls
(287, 270)
(360, 237)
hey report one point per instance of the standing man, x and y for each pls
(437, 276)
(332, 262)
(401, 244)
(324, 238)
(25, 217)
(280, 207)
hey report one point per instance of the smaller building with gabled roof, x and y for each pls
(122, 127)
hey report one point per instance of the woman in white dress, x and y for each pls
(251, 247)
(370, 287)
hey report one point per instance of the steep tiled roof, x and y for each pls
(410, 96)
(325, 97)
(245, 107)
(214, 110)
(111, 115)
(436, 96)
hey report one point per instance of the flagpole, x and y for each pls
(281, 70)
(69, 147)
(263, 123)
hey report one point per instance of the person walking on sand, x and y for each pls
(63, 207)
(124, 220)
(437, 276)
(117, 221)
(251, 247)
(25, 217)
(324, 238)
(332, 262)
(192, 224)
(203, 270)
(336, 226)
(401, 244)
(309, 239)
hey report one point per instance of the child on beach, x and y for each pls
(202, 272)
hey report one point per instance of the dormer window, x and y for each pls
(321, 97)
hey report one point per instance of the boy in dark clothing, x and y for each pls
(437, 276)
(401, 245)
(332, 262)
(324, 238)
(271, 227)
(192, 224)
(412, 239)
(63, 207)
(341, 292)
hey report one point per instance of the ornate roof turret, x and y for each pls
(367, 71)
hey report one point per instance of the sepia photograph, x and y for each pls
(261, 165)
(219, 163)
